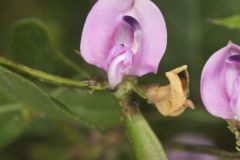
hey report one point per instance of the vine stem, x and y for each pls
(145, 143)
(203, 149)
(52, 79)
(10, 108)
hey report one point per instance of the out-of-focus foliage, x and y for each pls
(232, 22)
(31, 40)
(30, 37)
(11, 124)
(98, 109)
(38, 121)
(28, 94)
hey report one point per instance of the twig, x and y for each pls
(51, 79)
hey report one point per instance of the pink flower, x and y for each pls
(124, 37)
(220, 83)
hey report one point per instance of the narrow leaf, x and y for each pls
(100, 109)
(232, 22)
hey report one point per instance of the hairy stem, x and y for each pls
(145, 143)
(51, 79)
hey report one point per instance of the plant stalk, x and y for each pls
(145, 143)
(51, 79)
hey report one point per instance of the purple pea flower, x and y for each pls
(220, 83)
(124, 38)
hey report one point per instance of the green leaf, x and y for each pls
(30, 95)
(6, 95)
(12, 124)
(31, 45)
(99, 109)
(232, 22)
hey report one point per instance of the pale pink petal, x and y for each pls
(99, 29)
(154, 37)
(118, 68)
(116, 27)
(114, 75)
(233, 79)
(217, 83)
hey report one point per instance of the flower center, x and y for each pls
(137, 33)
(233, 82)
(127, 41)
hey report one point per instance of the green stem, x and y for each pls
(145, 142)
(51, 79)
(225, 155)
(139, 91)
(10, 108)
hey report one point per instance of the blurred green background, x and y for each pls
(27, 134)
